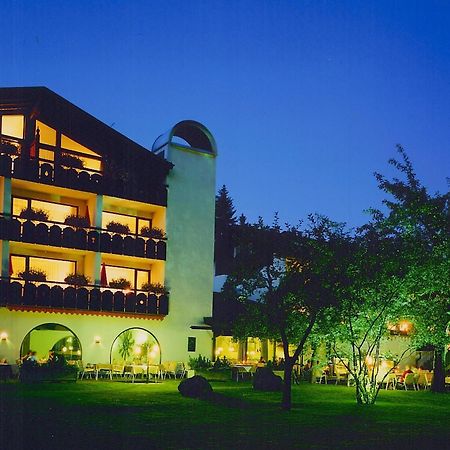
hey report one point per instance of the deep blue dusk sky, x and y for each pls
(306, 99)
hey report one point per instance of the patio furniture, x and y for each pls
(408, 382)
(88, 371)
(117, 370)
(103, 370)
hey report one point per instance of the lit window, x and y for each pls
(47, 134)
(13, 126)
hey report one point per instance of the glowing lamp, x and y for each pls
(4, 336)
(97, 339)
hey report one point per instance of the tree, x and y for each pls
(225, 222)
(370, 304)
(422, 222)
(288, 280)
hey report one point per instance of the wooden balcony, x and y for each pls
(50, 296)
(112, 184)
(92, 239)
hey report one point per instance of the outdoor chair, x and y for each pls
(428, 379)
(88, 371)
(128, 373)
(408, 382)
(117, 370)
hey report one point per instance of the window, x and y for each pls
(135, 224)
(57, 212)
(55, 269)
(136, 277)
(13, 126)
(46, 133)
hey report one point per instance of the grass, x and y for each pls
(96, 415)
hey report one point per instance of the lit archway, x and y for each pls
(52, 337)
(135, 346)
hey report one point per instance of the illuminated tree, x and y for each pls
(288, 280)
(422, 222)
(372, 301)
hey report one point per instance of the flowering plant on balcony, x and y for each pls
(8, 148)
(34, 214)
(120, 283)
(117, 227)
(156, 288)
(77, 221)
(155, 233)
(71, 161)
(77, 279)
(33, 275)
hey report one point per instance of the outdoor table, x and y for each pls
(241, 368)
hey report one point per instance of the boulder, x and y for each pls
(265, 380)
(195, 387)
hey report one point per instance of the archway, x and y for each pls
(52, 337)
(135, 346)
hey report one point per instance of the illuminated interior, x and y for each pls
(227, 347)
(52, 337)
(12, 125)
(55, 269)
(56, 211)
(135, 276)
(134, 223)
(48, 135)
(135, 346)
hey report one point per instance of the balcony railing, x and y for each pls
(55, 295)
(57, 234)
(49, 172)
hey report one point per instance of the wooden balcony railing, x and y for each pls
(19, 165)
(57, 234)
(56, 295)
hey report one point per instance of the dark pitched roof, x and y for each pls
(79, 125)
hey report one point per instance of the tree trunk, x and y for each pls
(286, 402)
(438, 383)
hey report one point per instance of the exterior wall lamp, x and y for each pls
(97, 339)
(4, 336)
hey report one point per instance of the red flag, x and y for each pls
(87, 216)
(11, 270)
(33, 149)
(103, 277)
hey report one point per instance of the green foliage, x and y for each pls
(34, 214)
(33, 275)
(421, 222)
(199, 363)
(8, 148)
(156, 288)
(126, 343)
(221, 363)
(120, 283)
(77, 221)
(77, 279)
(71, 161)
(155, 233)
(117, 227)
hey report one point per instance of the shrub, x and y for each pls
(223, 363)
(34, 214)
(155, 233)
(117, 227)
(77, 279)
(8, 148)
(156, 288)
(33, 275)
(199, 363)
(120, 283)
(77, 221)
(71, 161)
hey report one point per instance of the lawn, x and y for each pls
(96, 415)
